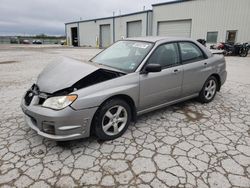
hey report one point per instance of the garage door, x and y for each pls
(134, 29)
(104, 36)
(180, 28)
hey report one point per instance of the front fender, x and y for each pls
(95, 95)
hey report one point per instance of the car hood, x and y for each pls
(58, 76)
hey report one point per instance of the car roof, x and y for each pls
(158, 39)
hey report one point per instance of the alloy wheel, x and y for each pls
(114, 120)
(210, 89)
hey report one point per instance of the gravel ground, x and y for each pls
(185, 145)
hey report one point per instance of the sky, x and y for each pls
(32, 17)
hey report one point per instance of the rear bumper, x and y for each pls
(66, 124)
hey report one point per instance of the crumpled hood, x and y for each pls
(58, 76)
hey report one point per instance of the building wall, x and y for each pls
(150, 23)
(121, 24)
(90, 31)
(208, 15)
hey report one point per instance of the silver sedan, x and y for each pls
(73, 99)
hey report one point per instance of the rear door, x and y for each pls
(165, 86)
(196, 68)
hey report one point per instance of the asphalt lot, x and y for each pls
(185, 145)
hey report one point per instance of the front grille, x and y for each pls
(34, 90)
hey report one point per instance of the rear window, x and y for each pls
(190, 52)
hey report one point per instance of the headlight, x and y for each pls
(60, 102)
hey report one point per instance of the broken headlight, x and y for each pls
(60, 102)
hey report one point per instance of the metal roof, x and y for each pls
(110, 17)
(171, 2)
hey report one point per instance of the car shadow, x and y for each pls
(182, 107)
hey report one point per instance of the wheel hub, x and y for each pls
(210, 89)
(114, 120)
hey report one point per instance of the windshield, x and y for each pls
(124, 55)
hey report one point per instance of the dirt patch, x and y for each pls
(192, 115)
(8, 62)
(226, 108)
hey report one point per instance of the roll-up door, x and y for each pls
(134, 29)
(179, 28)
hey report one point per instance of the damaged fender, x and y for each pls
(94, 96)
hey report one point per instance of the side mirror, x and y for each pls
(152, 68)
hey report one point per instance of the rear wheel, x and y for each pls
(112, 119)
(243, 52)
(209, 90)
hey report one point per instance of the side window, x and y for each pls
(166, 55)
(190, 52)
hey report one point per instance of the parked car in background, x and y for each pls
(24, 41)
(37, 42)
(14, 40)
(74, 99)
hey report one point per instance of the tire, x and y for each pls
(112, 119)
(209, 90)
(243, 52)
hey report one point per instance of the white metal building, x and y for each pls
(213, 20)
(102, 32)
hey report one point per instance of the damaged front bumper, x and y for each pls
(61, 125)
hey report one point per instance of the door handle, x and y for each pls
(205, 63)
(176, 71)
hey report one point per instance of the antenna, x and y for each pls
(144, 8)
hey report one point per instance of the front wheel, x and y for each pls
(209, 90)
(112, 119)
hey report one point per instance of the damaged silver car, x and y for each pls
(73, 99)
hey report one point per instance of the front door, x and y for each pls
(165, 86)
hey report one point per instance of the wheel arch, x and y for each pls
(124, 97)
(130, 102)
(217, 76)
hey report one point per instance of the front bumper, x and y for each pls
(66, 124)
